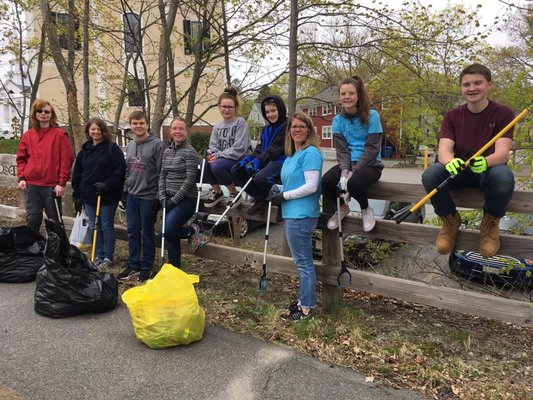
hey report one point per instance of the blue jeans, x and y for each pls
(141, 215)
(106, 237)
(259, 188)
(175, 229)
(497, 183)
(299, 234)
(219, 171)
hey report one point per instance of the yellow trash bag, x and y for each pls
(165, 310)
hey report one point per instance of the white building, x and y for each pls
(12, 101)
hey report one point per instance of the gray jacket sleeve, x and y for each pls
(371, 151)
(343, 152)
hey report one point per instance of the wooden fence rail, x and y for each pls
(467, 302)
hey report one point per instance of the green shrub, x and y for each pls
(200, 141)
(9, 146)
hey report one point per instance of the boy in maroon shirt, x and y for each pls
(464, 131)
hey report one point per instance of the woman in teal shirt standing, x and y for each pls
(300, 207)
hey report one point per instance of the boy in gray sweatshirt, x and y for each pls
(143, 165)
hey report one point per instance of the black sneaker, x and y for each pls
(293, 306)
(213, 199)
(297, 314)
(256, 207)
(127, 274)
(144, 276)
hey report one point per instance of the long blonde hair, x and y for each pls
(311, 140)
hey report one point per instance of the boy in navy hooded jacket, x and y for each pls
(267, 158)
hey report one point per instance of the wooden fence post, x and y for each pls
(331, 294)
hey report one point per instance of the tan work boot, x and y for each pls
(489, 241)
(448, 233)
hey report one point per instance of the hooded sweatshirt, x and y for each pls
(143, 164)
(272, 142)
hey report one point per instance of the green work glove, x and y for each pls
(479, 165)
(455, 166)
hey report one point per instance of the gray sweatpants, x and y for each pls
(37, 198)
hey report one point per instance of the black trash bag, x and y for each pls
(21, 254)
(73, 285)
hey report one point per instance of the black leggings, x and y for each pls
(357, 184)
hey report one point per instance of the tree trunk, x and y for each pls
(67, 75)
(293, 56)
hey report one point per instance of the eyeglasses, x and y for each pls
(299, 127)
(40, 111)
(227, 107)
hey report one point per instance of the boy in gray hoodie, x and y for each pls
(143, 165)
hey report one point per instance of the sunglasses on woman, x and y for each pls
(41, 111)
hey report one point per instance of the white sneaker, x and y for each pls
(369, 221)
(333, 222)
(232, 197)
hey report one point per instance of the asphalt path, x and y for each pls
(97, 357)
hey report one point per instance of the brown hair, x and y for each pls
(363, 101)
(231, 93)
(137, 115)
(179, 119)
(39, 104)
(106, 132)
(475, 69)
(311, 133)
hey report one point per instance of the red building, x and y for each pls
(323, 106)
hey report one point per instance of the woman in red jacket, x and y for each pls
(44, 159)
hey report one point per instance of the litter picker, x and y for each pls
(343, 268)
(211, 231)
(403, 213)
(199, 185)
(96, 226)
(263, 280)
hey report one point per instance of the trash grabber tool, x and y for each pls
(96, 226)
(263, 280)
(211, 231)
(163, 227)
(59, 218)
(157, 268)
(199, 185)
(402, 215)
(343, 269)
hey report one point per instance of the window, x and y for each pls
(196, 36)
(326, 132)
(135, 92)
(312, 112)
(61, 21)
(326, 109)
(132, 33)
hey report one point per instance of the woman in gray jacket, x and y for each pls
(178, 191)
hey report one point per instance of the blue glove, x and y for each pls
(252, 166)
(244, 161)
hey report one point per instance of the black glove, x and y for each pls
(99, 187)
(276, 199)
(169, 205)
(78, 205)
